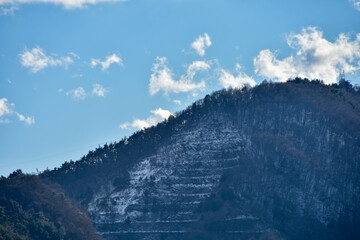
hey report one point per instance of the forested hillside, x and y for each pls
(277, 161)
(34, 208)
(338, 104)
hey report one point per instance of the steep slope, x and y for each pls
(275, 161)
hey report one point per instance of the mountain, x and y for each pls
(277, 161)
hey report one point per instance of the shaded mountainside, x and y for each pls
(32, 208)
(277, 161)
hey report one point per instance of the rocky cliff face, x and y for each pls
(276, 161)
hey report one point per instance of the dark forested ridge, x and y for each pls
(277, 161)
(34, 208)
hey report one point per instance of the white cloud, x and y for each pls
(68, 4)
(356, 4)
(228, 80)
(195, 67)
(157, 116)
(268, 66)
(108, 61)
(36, 59)
(7, 109)
(27, 120)
(201, 43)
(74, 55)
(316, 57)
(98, 90)
(78, 93)
(162, 78)
(95, 62)
(178, 102)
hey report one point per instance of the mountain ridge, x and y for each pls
(338, 92)
(265, 122)
(277, 161)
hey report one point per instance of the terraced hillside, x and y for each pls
(166, 188)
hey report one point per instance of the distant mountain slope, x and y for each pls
(31, 208)
(280, 160)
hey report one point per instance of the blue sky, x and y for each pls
(75, 75)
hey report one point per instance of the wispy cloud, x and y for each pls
(68, 4)
(228, 80)
(201, 43)
(178, 102)
(80, 93)
(4, 121)
(36, 60)
(7, 110)
(98, 90)
(156, 116)
(356, 4)
(107, 62)
(162, 78)
(316, 57)
(9, 9)
(77, 75)
(27, 120)
(74, 55)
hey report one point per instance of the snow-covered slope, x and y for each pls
(166, 188)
